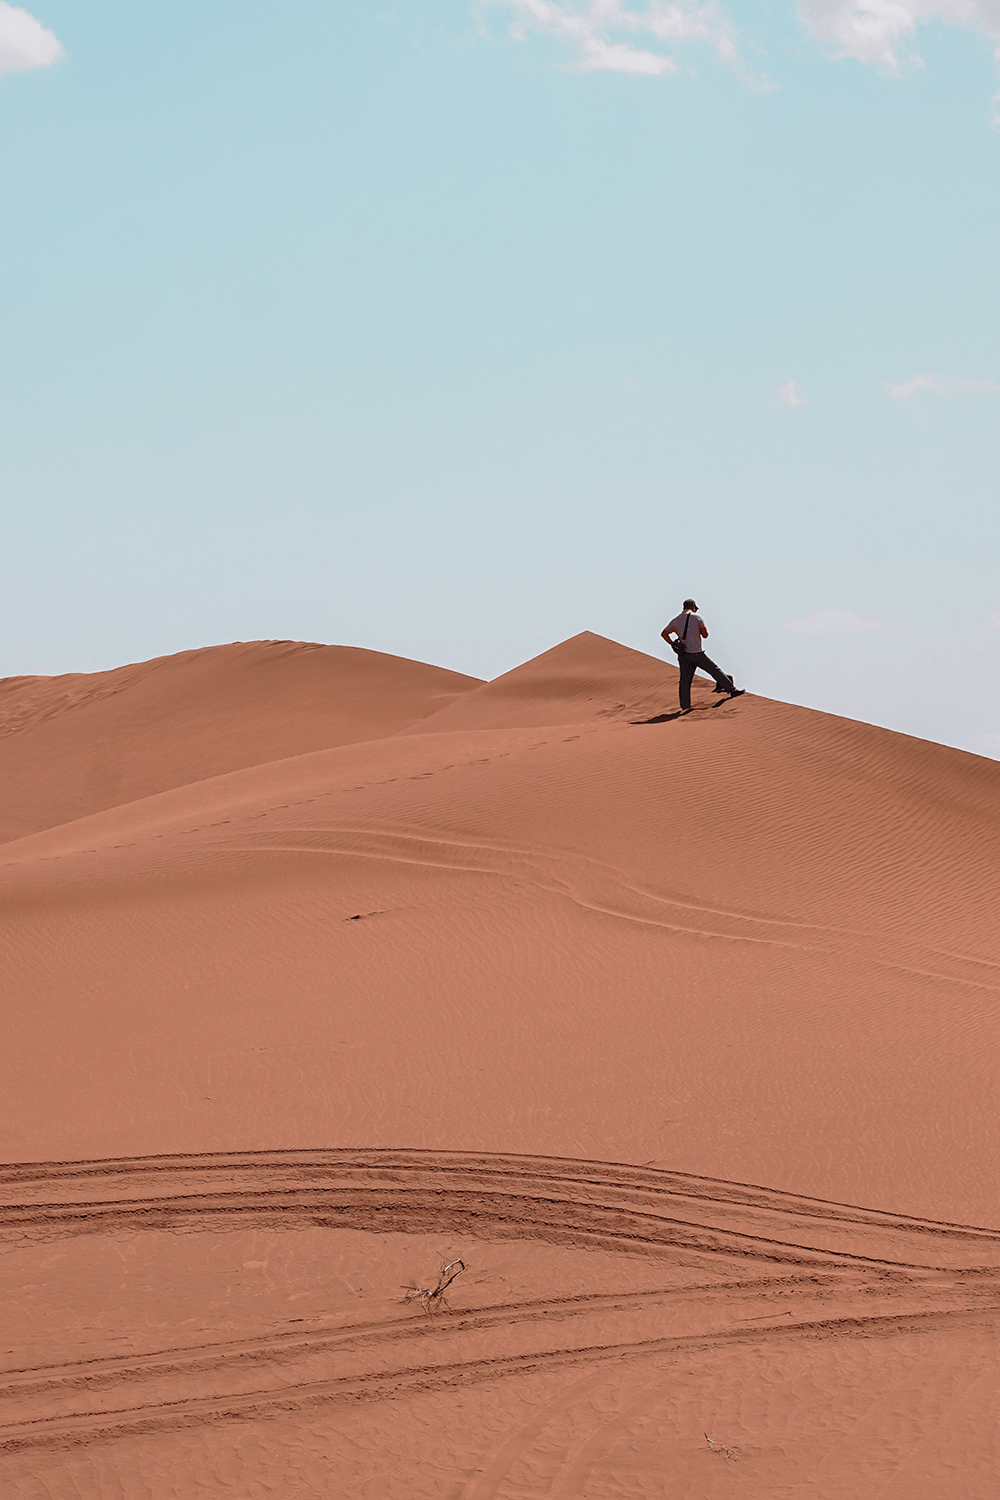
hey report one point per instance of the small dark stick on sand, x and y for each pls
(721, 1448)
(432, 1297)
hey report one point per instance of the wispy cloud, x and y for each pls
(831, 622)
(642, 37)
(908, 388)
(876, 31)
(24, 42)
(953, 385)
(791, 394)
(962, 387)
(625, 36)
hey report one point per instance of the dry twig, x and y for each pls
(432, 1297)
(721, 1448)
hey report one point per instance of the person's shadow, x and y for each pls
(696, 708)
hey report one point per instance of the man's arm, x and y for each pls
(703, 629)
(666, 633)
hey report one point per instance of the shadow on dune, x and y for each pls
(696, 708)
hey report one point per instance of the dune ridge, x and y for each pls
(73, 745)
(534, 973)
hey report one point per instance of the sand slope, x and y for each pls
(538, 981)
(72, 745)
(582, 680)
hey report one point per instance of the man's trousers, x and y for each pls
(691, 662)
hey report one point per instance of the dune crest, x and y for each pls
(585, 678)
(73, 745)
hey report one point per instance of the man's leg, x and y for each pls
(687, 665)
(723, 683)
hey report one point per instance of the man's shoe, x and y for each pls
(737, 692)
(719, 688)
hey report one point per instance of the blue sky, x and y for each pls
(451, 330)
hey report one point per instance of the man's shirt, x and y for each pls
(690, 632)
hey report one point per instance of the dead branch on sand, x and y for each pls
(432, 1297)
(721, 1448)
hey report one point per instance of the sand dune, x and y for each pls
(72, 745)
(585, 679)
(531, 973)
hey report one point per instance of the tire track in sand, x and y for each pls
(853, 1272)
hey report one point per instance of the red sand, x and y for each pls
(382, 967)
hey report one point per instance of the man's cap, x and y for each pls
(690, 604)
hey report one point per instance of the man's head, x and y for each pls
(690, 604)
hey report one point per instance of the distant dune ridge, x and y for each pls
(325, 967)
(77, 744)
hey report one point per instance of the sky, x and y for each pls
(452, 329)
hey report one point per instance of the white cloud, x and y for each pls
(917, 383)
(641, 37)
(791, 394)
(620, 57)
(874, 31)
(831, 622)
(954, 385)
(962, 387)
(24, 42)
(625, 36)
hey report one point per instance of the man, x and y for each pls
(690, 630)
